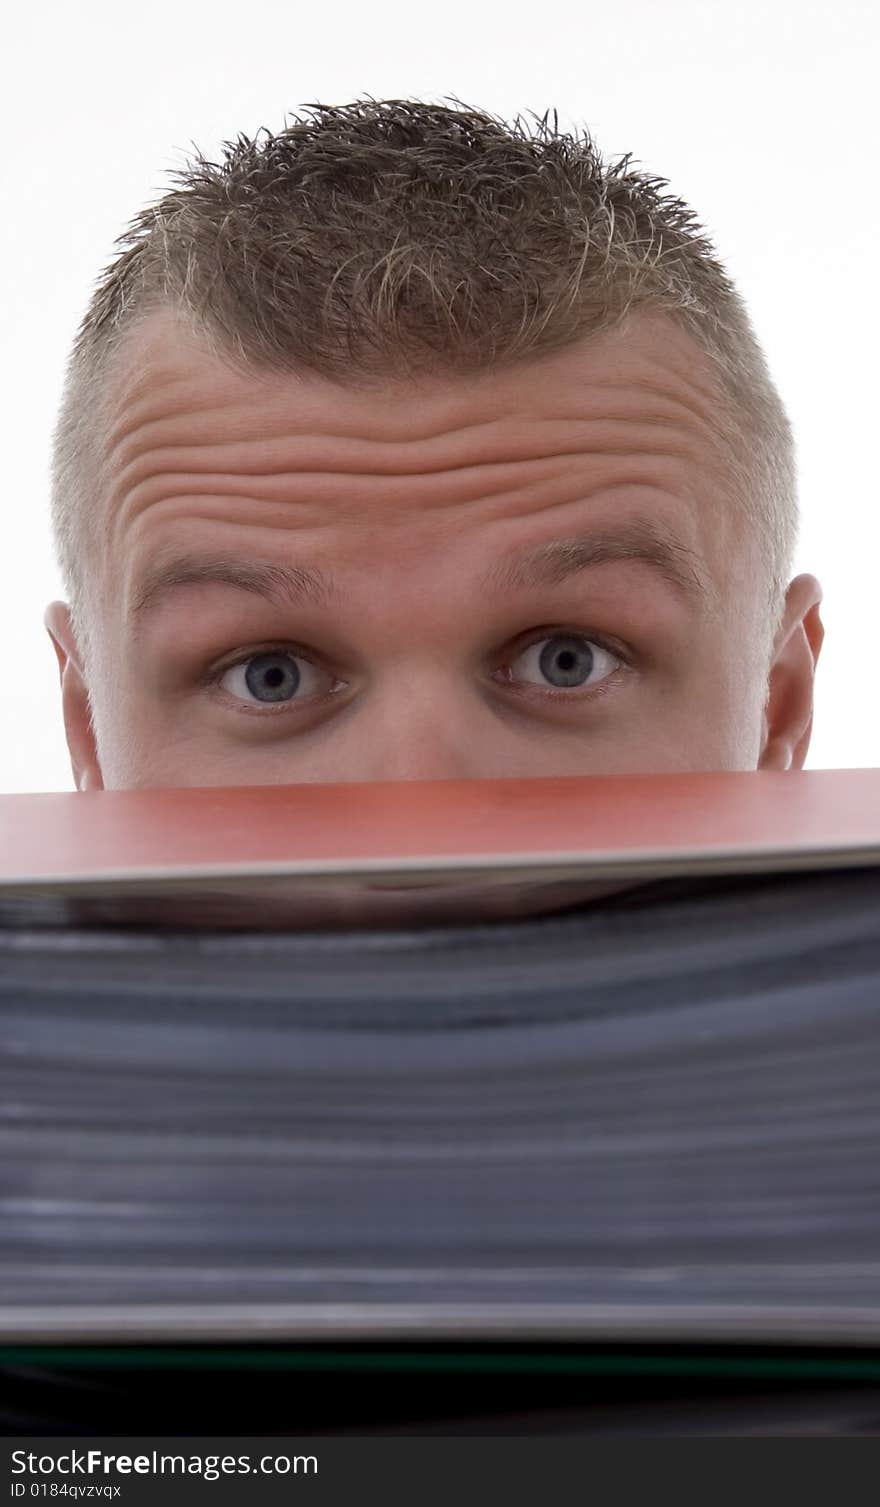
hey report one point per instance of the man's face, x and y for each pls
(399, 641)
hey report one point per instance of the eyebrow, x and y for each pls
(284, 585)
(551, 563)
(642, 539)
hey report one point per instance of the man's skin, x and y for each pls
(404, 494)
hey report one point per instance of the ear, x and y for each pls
(74, 699)
(788, 711)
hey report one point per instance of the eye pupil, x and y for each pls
(276, 674)
(566, 661)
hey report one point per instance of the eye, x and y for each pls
(565, 661)
(272, 676)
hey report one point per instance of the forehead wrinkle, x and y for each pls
(392, 414)
(329, 500)
(162, 474)
(140, 418)
(453, 449)
(277, 408)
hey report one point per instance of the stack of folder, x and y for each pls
(579, 1068)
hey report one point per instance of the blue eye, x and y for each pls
(270, 676)
(567, 660)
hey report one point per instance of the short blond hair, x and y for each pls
(382, 236)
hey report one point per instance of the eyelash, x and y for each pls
(543, 694)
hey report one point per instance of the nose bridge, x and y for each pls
(420, 720)
(416, 716)
(420, 715)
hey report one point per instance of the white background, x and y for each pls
(761, 114)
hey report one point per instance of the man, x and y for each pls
(412, 445)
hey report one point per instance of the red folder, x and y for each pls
(304, 853)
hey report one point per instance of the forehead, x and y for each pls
(640, 405)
